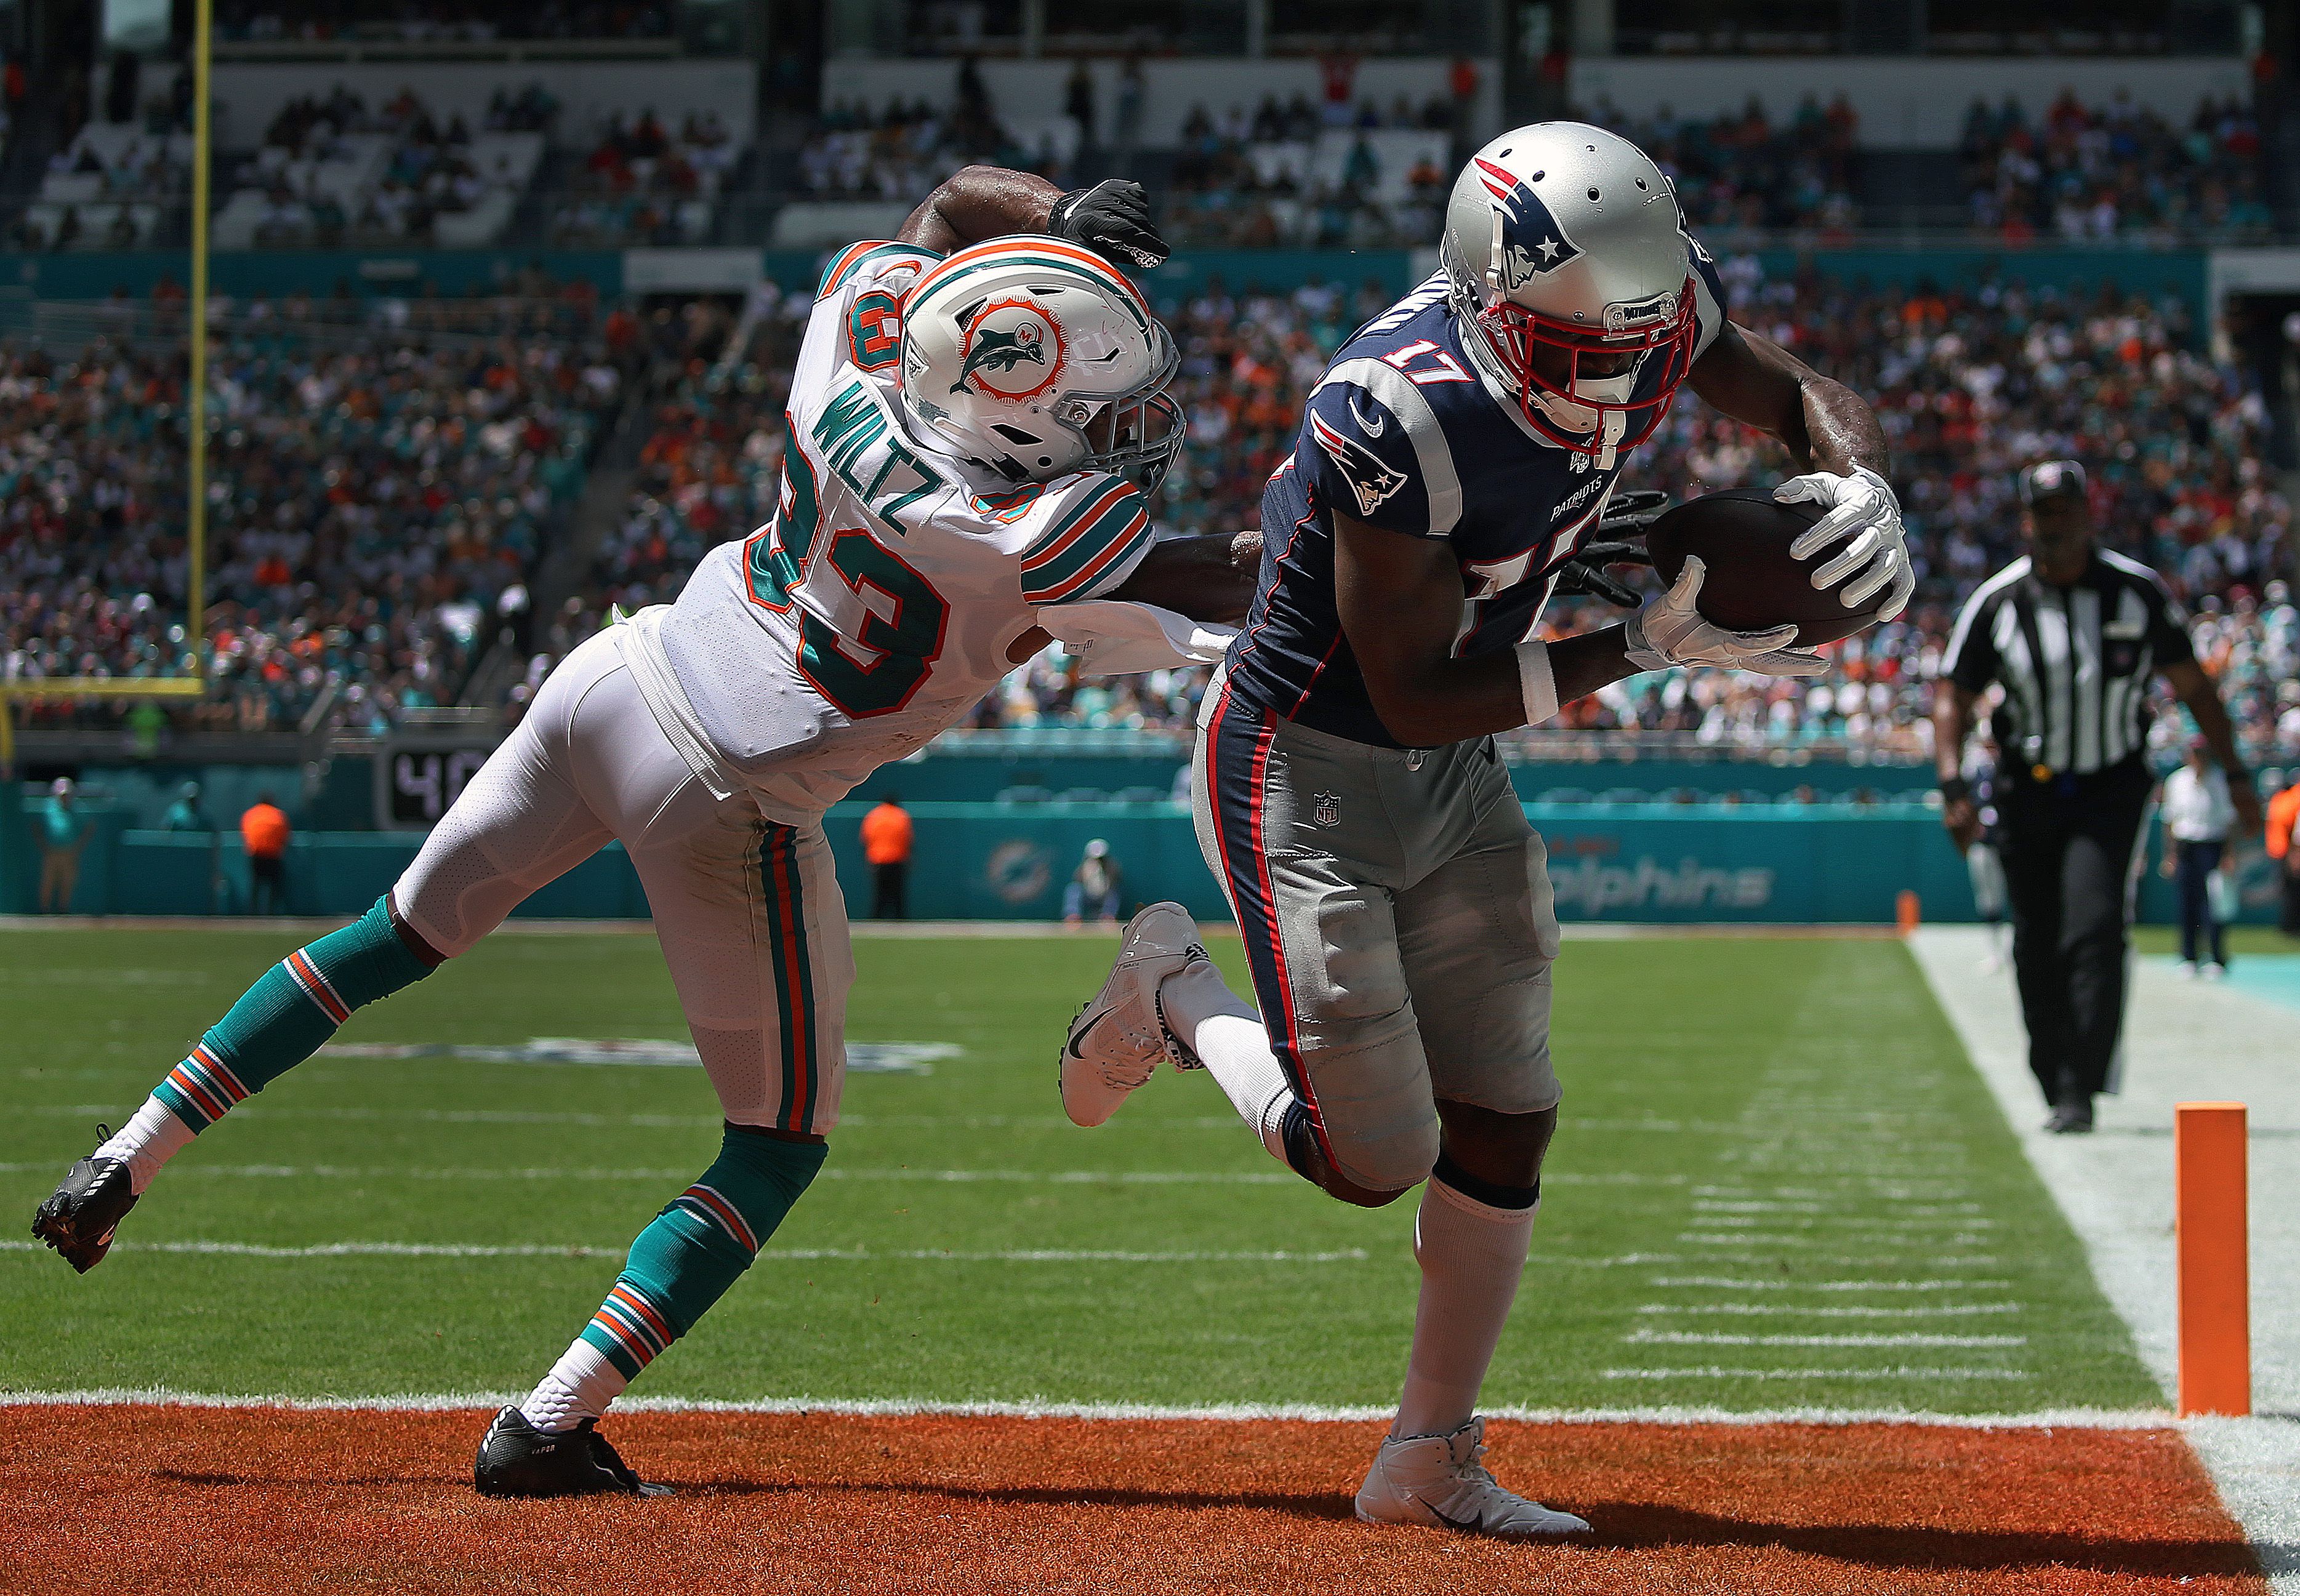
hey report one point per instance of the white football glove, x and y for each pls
(1670, 631)
(1864, 515)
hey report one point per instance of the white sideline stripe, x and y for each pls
(800, 1255)
(2184, 1040)
(1803, 1312)
(1644, 1335)
(834, 1172)
(697, 1121)
(2052, 1418)
(1730, 1283)
(1902, 1372)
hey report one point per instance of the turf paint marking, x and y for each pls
(1215, 1177)
(1817, 1415)
(1900, 1372)
(1824, 1311)
(795, 1254)
(1644, 1335)
(1730, 1283)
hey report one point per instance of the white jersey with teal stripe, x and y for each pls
(878, 607)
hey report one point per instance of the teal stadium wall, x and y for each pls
(1623, 862)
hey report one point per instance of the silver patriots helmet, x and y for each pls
(1564, 237)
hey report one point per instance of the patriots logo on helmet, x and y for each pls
(1531, 241)
(1371, 477)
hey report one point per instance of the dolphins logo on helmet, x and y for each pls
(1530, 241)
(1003, 338)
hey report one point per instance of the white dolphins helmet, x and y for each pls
(1565, 235)
(1034, 358)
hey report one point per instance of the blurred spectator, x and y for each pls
(2084, 173)
(185, 814)
(264, 833)
(2284, 847)
(904, 152)
(63, 835)
(2197, 819)
(887, 835)
(1096, 888)
(1743, 173)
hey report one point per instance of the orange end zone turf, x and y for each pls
(264, 1500)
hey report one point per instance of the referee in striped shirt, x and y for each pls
(2072, 633)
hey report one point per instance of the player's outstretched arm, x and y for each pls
(976, 203)
(1205, 578)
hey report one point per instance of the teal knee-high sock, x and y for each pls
(679, 1266)
(293, 1007)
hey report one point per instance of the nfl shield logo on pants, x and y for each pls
(1328, 809)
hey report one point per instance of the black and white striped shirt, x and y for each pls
(2074, 662)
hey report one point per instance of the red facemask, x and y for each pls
(1513, 332)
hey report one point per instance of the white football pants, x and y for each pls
(747, 911)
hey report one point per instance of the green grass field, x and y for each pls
(1778, 1184)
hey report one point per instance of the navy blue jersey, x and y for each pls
(1406, 432)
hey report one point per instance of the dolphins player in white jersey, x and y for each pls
(978, 412)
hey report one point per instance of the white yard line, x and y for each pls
(799, 1254)
(2065, 1418)
(1814, 1310)
(1898, 1372)
(1741, 1284)
(390, 1172)
(1646, 1336)
(2183, 1042)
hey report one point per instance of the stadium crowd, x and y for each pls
(380, 582)
(1971, 385)
(2083, 173)
(376, 480)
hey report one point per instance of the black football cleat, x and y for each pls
(81, 1214)
(518, 1460)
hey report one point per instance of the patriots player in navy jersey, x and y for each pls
(1396, 905)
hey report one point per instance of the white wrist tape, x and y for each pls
(1536, 681)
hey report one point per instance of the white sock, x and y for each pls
(579, 1386)
(147, 1141)
(1472, 1256)
(1225, 1032)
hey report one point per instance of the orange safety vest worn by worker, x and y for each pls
(2283, 815)
(264, 828)
(887, 834)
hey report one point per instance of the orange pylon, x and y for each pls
(2215, 1280)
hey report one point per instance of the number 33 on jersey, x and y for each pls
(878, 606)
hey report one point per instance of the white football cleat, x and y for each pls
(1441, 1480)
(1118, 1038)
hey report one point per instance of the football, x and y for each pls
(1743, 538)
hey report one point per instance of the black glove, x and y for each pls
(1112, 218)
(1626, 517)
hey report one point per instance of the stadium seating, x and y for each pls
(373, 489)
(332, 172)
(110, 187)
